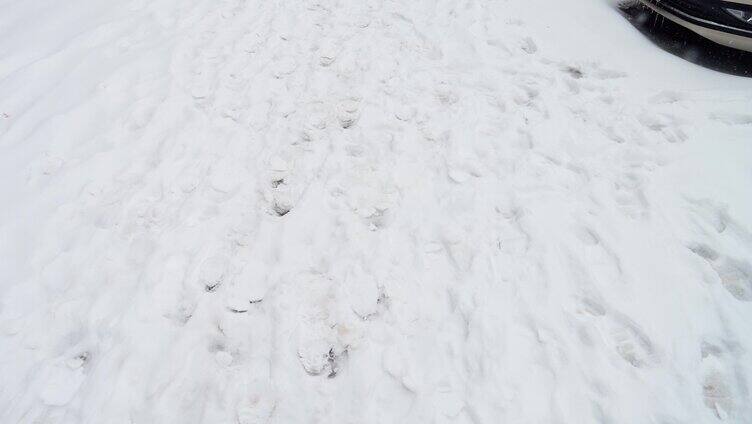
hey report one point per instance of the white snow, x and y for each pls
(370, 211)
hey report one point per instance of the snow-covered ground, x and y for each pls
(322, 211)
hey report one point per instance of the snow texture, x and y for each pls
(375, 211)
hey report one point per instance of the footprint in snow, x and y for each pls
(459, 176)
(348, 113)
(627, 339)
(632, 344)
(667, 97)
(731, 119)
(318, 357)
(721, 384)
(529, 46)
(256, 409)
(61, 385)
(574, 72)
(327, 52)
(213, 273)
(283, 67)
(734, 275)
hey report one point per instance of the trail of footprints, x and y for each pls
(623, 335)
(734, 273)
(296, 139)
(724, 389)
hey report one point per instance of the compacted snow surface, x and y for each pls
(375, 211)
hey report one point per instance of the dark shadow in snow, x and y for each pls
(686, 44)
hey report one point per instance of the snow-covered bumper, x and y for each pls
(725, 22)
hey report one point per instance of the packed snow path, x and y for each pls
(363, 212)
